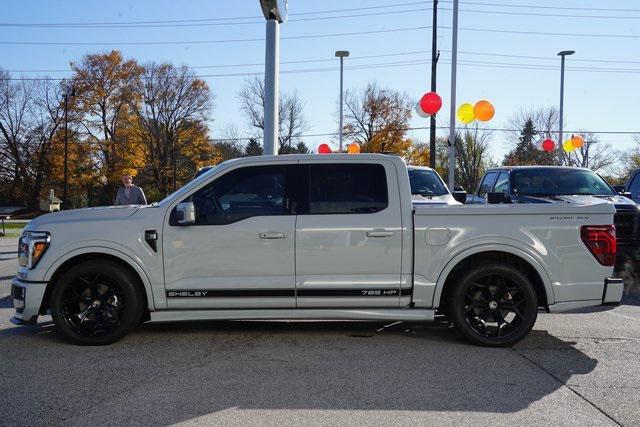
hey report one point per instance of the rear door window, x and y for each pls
(346, 188)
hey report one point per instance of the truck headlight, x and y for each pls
(31, 246)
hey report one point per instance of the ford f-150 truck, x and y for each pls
(313, 237)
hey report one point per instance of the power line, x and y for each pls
(195, 21)
(332, 59)
(532, 6)
(458, 128)
(481, 64)
(304, 36)
(313, 36)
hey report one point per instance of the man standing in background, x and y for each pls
(130, 194)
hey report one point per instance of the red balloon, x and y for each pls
(324, 149)
(431, 103)
(548, 145)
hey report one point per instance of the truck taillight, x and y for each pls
(601, 242)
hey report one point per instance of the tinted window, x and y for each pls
(240, 194)
(486, 184)
(426, 182)
(502, 184)
(556, 182)
(634, 188)
(347, 188)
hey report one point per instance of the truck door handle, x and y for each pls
(379, 233)
(273, 235)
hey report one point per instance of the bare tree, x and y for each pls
(378, 119)
(472, 155)
(594, 154)
(30, 114)
(172, 115)
(291, 123)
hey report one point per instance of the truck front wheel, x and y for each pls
(493, 305)
(96, 302)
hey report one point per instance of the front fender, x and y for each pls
(120, 252)
(506, 245)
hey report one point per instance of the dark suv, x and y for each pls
(632, 186)
(555, 184)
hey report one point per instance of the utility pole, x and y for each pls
(341, 54)
(434, 60)
(452, 113)
(275, 12)
(562, 55)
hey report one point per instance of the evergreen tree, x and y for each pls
(525, 152)
(253, 148)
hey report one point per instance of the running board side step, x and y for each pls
(406, 315)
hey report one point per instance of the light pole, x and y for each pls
(452, 113)
(341, 54)
(275, 12)
(562, 55)
(65, 200)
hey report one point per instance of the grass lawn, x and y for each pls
(12, 229)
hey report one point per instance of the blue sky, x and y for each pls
(598, 101)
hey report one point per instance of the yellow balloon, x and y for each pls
(465, 113)
(577, 141)
(568, 145)
(483, 111)
(353, 148)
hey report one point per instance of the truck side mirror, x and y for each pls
(458, 188)
(497, 198)
(460, 196)
(186, 213)
(619, 188)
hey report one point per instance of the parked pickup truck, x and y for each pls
(313, 237)
(564, 186)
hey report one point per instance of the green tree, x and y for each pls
(253, 148)
(525, 151)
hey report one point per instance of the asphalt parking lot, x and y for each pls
(581, 368)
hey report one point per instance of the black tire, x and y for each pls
(96, 303)
(493, 305)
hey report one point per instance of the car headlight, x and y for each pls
(31, 246)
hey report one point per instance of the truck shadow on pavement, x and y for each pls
(179, 372)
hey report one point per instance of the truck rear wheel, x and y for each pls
(493, 305)
(96, 302)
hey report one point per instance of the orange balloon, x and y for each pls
(483, 111)
(577, 141)
(353, 148)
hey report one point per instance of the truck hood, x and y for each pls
(82, 215)
(575, 200)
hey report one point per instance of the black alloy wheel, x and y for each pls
(494, 305)
(96, 302)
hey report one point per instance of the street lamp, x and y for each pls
(452, 111)
(341, 54)
(562, 55)
(275, 12)
(67, 95)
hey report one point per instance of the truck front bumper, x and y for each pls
(27, 300)
(611, 296)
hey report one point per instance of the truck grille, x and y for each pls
(626, 222)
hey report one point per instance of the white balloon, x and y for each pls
(419, 111)
(538, 144)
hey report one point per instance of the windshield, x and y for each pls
(199, 177)
(556, 182)
(426, 182)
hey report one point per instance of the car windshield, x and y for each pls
(199, 177)
(426, 182)
(556, 182)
